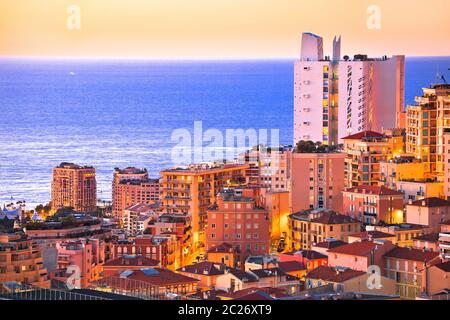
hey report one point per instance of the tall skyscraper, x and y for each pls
(335, 97)
(74, 186)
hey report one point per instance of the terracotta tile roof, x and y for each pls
(412, 254)
(331, 217)
(256, 296)
(205, 268)
(445, 266)
(365, 134)
(330, 244)
(373, 234)
(360, 249)
(132, 260)
(161, 277)
(431, 237)
(375, 190)
(333, 275)
(431, 202)
(221, 248)
(289, 266)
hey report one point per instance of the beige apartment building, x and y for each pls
(74, 186)
(192, 190)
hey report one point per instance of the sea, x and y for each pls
(120, 113)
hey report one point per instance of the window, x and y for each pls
(213, 235)
(226, 226)
(213, 225)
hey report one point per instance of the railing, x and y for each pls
(21, 291)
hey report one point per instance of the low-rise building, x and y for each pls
(87, 255)
(235, 280)
(133, 214)
(404, 233)
(438, 278)
(401, 168)
(428, 212)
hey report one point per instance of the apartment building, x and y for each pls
(192, 190)
(430, 212)
(317, 180)
(74, 186)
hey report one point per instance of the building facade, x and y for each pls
(74, 186)
(335, 97)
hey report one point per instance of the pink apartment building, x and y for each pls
(87, 254)
(317, 181)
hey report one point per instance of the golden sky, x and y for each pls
(197, 29)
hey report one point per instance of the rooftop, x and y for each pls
(431, 202)
(372, 234)
(336, 275)
(290, 266)
(375, 190)
(68, 165)
(330, 244)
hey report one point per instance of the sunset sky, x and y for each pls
(198, 29)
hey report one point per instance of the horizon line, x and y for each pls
(174, 59)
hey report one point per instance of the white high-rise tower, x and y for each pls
(335, 97)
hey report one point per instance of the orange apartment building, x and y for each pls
(223, 253)
(132, 186)
(74, 186)
(314, 226)
(192, 190)
(239, 221)
(373, 204)
(317, 180)
(21, 261)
